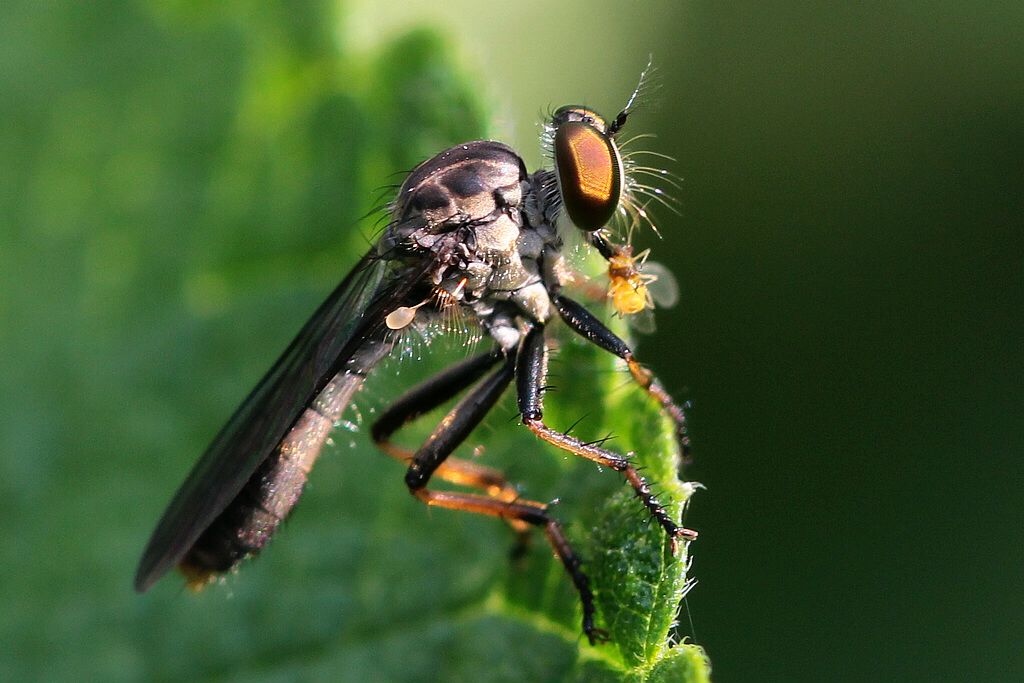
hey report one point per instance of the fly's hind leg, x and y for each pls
(432, 457)
(531, 375)
(429, 395)
(527, 512)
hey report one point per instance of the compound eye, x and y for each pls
(589, 174)
(575, 113)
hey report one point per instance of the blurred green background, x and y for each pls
(848, 248)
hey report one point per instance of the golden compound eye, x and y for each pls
(588, 166)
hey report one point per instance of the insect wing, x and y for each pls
(664, 289)
(642, 322)
(335, 331)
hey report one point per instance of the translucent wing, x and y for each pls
(352, 313)
(642, 322)
(664, 290)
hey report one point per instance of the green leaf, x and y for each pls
(184, 188)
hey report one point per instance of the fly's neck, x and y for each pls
(544, 203)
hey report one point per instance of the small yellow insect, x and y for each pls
(627, 286)
(632, 288)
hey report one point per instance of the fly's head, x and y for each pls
(588, 166)
(596, 181)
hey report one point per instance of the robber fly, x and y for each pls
(470, 230)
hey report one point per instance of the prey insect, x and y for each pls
(635, 284)
(470, 231)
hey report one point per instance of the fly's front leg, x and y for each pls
(584, 323)
(452, 431)
(531, 374)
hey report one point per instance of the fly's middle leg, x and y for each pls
(531, 375)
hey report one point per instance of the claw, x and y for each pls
(680, 532)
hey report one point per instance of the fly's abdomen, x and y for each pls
(265, 501)
(248, 523)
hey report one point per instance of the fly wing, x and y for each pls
(352, 312)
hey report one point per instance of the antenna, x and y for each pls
(620, 120)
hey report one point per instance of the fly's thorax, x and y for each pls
(459, 210)
(463, 183)
(478, 226)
